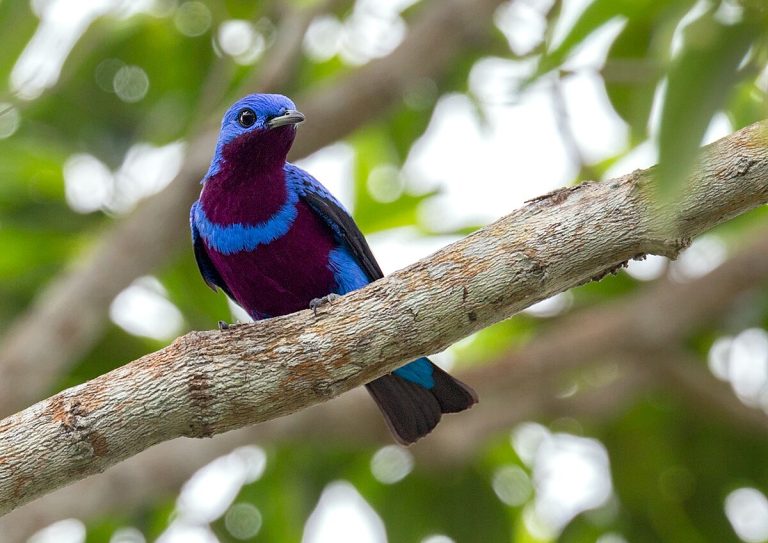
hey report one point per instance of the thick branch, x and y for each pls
(524, 379)
(206, 383)
(46, 338)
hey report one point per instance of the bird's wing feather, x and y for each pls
(207, 269)
(336, 217)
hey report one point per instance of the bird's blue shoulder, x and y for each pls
(354, 247)
(307, 187)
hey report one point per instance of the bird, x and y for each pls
(276, 241)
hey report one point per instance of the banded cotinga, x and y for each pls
(276, 241)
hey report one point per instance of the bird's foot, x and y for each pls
(317, 303)
(224, 325)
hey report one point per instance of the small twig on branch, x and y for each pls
(206, 383)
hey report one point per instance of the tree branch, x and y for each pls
(206, 383)
(160, 471)
(43, 341)
(523, 380)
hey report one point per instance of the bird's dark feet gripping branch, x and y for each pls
(317, 303)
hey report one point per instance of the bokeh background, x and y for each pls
(625, 411)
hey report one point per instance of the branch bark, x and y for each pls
(517, 387)
(207, 383)
(49, 336)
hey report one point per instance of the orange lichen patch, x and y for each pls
(99, 444)
(59, 410)
(20, 486)
(7, 424)
(156, 364)
(70, 412)
(310, 371)
(199, 388)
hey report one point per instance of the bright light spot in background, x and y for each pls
(373, 30)
(240, 40)
(642, 156)
(322, 40)
(332, 166)
(611, 538)
(747, 511)
(512, 485)
(704, 255)
(145, 170)
(370, 32)
(729, 13)
(437, 538)
(569, 13)
(192, 19)
(211, 490)
(719, 127)
(156, 8)
(62, 22)
(238, 313)
(90, 185)
(571, 474)
(445, 360)
(130, 84)
(391, 464)
(536, 526)
(179, 532)
(208, 494)
(385, 184)
(10, 118)
(65, 531)
(699, 9)
(649, 268)
(718, 357)
(743, 361)
(526, 439)
(523, 24)
(127, 535)
(243, 520)
(551, 307)
(143, 309)
(343, 516)
(484, 174)
(599, 135)
(399, 247)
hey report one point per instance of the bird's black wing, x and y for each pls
(207, 269)
(338, 219)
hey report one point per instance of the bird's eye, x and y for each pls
(246, 118)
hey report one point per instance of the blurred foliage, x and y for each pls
(672, 464)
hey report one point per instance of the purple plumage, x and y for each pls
(275, 284)
(274, 239)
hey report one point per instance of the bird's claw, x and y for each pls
(223, 325)
(317, 303)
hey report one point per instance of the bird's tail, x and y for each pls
(412, 410)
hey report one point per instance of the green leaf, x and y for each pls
(636, 62)
(699, 83)
(592, 18)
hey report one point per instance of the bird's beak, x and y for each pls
(291, 116)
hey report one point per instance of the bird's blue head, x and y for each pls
(257, 131)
